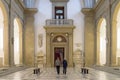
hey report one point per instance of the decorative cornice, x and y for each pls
(59, 29)
(88, 11)
(31, 10)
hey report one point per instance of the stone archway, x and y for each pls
(18, 42)
(114, 41)
(61, 38)
(59, 46)
(101, 42)
(5, 34)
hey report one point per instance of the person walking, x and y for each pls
(65, 66)
(57, 63)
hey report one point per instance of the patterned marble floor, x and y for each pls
(50, 74)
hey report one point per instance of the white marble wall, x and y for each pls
(74, 12)
(44, 13)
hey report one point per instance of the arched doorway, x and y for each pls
(4, 49)
(116, 36)
(59, 40)
(59, 44)
(17, 42)
(1, 38)
(101, 42)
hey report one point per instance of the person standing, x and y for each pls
(57, 63)
(65, 66)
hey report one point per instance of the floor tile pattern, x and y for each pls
(50, 74)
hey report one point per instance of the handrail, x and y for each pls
(59, 22)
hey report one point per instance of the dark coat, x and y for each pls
(65, 64)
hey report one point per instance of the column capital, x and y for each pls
(88, 11)
(30, 10)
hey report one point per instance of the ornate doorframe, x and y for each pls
(66, 33)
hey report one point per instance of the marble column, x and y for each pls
(89, 37)
(48, 56)
(114, 43)
(21, 47)
(70, 50)
(29, 39)
(6, 44)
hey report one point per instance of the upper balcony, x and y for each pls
(59, 22)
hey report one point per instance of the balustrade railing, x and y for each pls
(59, 22)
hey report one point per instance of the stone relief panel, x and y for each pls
(59, 38)
(40, 40)
(78, 59)
(40, 59)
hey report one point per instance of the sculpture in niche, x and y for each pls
(40, 41)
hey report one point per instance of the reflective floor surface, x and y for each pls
(50, 74)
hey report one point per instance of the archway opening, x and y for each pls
(118, 38)
(1, 38)
(101, 42)
(16, 43)
(115, 58)
(18, 56)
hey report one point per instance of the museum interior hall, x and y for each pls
(34, 34)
